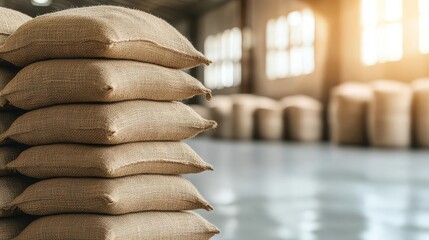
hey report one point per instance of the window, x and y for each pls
(290, 45)
(381, 22)
(224, 49)
(424, 26)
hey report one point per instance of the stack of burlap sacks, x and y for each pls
(11, 183)
(246, 116)
(100, 85)
(383, 113)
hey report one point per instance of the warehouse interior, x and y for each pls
(322, 110)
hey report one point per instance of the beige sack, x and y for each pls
(220, 109)
(302, 116)
(243, 110)
(101, 32)
(6, 120)
(421, 112)
(269, 122)
(10, 20)
(134, 226)
(390, 114)
(73, 160)
(12, 226)
(348, 109)
(10, 188)
(93, 80)
(7, 154)
(114, 123)
(110, 196)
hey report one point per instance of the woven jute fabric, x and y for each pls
(101, 32)
(110, 195)
(93, 80)
(302, 116)
(390, 114)
(10, 188)
(7, 154)
(74, 160)
(6, 74)
(133, 226)
(10, 20)
(6, 120)
(348, 108)
(11, 227)
(109, 123)
(421, 112)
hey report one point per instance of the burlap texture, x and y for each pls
(10, 20)
(73, 160)
(134, 226)
(7, 154)
(101, 32)
(302, 117)
(10, 188)
(11, 227)
(93, 80)
(421, 112)
(220, 109)
(269, 122)
(390, 114)
(6, 74)
(348, 109)
(109, 123)
(110, 196)
(6, 120)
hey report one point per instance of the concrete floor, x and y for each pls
(267, 191)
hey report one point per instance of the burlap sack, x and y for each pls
(12, 226)
(134, 226)
(6, 120)
(6, 74)
(7, 154)
(390, 114)
(93, 80)
(302, 117)
(421, 112)
(348, 109)
(73, 160)
(110, 196)
(269, 122)
(243, 109)
(10, 20)
(101, 32)
(110, 123)
(220, 109)
(10, 188)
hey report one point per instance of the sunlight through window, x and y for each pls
(290, 45)
(224, 49)
(424, 26)
(382, 36)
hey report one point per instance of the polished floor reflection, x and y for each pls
(267, 191)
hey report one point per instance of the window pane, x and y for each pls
(369, 46)
(217, 82)
(281, 34)
(308, 60)
(208, 76)
(392, 10)
(424, 7)
(226, 44)
(295, 23)
(236, 44)
(308, 24)
(208, 47)
(390, 42)
(270, 34)
(296, 61)
(282, 64)
(227, 74)
(424, 33)
(217, 48)
(369, 9)
(237, 73)
(270, 62)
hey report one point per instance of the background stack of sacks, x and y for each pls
(11, 185)
(106, 133)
